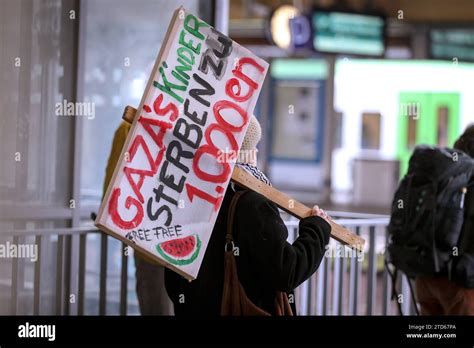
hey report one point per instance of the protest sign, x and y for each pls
(283, 201)
(166, 191)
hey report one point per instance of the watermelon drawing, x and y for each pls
(181, 251)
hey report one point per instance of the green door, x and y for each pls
(426, 118)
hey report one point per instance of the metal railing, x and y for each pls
(64, 298)
(349, 282)
(346, 283)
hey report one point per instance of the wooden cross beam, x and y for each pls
(284, 202)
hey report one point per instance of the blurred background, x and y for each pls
(353, 86)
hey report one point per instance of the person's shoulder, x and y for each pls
(255, 201)
(254, 197)
(263, 215)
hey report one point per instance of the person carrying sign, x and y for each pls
(266, 263)
(171, 185)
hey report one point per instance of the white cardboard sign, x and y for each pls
(168, 187)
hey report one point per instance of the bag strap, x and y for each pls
(282, 305)
(229, 238)
(395, 293)
(393, 275)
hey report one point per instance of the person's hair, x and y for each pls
(466, 141)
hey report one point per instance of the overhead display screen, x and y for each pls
(350, 33)
(452, 43)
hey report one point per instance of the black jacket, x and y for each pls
(267, 263)
(463, 267)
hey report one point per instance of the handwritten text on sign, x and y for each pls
(166, 192)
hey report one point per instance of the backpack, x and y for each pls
(428, 211)
(462, 271)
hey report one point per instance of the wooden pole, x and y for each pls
(283, 201)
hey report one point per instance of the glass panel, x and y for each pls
(370, 131)
(295, 120)
(338, 118)
(412, 130)
(118, 59)
(37, 47)
(443, 119)
(37, 72)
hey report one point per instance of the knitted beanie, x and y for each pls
(248, 150)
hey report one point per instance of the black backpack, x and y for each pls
(428, 211)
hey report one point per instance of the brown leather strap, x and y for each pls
(230, 216)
